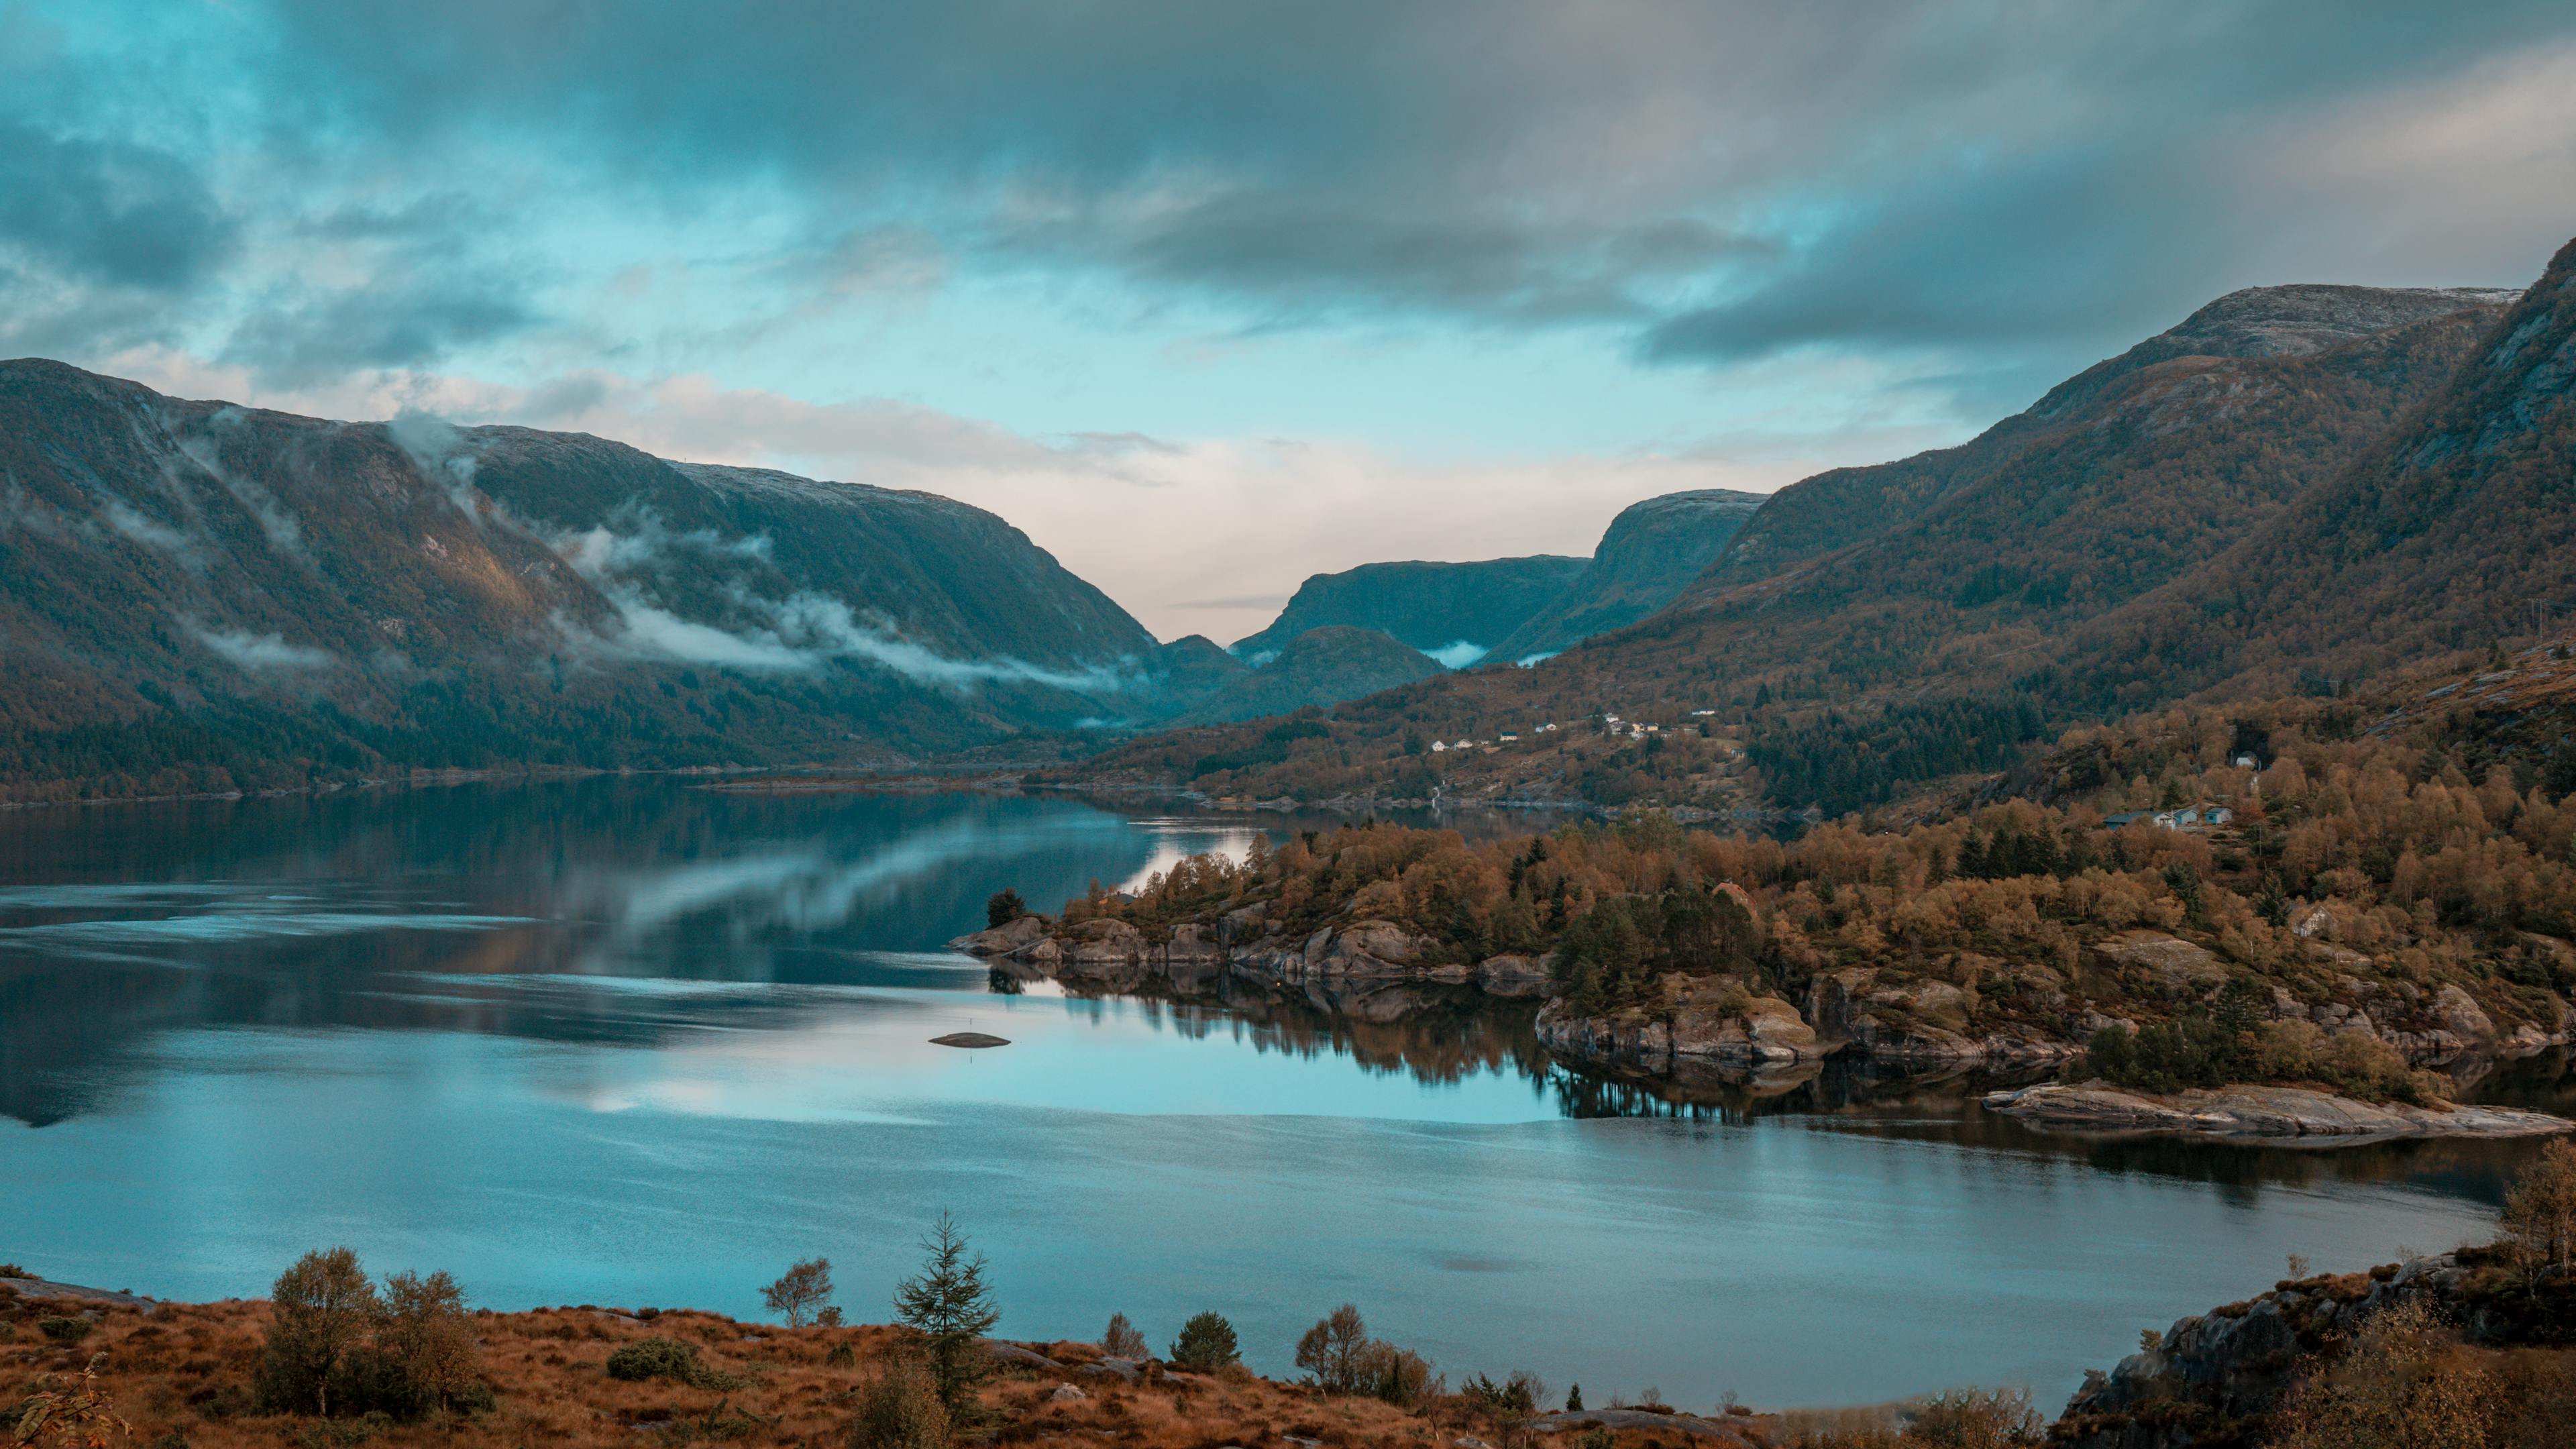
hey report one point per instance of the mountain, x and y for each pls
(1836, 509)
(1320, 666)
(1650, 553)
(2455, 530)
(1872, 627)
(199, 595)
(1455, 612)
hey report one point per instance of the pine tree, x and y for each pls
(949, 1307)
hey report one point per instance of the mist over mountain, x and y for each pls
(197, 595)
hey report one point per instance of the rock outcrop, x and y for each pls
(2276, 1112)
(2219, 1377)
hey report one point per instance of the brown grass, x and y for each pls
(187, 1369)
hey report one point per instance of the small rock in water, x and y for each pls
(969, 1039)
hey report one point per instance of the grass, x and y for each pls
(184, 1372)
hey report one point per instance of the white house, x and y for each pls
(1439, 747)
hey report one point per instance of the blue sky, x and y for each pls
(1207, 297)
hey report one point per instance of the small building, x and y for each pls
(1464, 745)
(2216, 815)
(1508, 739)
(1702, 713)
(1439, 747)
(2247, 762)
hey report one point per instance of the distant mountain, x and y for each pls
(1455, 612)
(2456, 529)
(1836, 509)
(1320, 666)
(1651, 552)
(199, 595)
(1876, 626)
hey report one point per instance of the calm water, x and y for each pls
(636, 1043)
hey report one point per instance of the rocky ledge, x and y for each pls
(2219, 1378)
(2269, 1112)
(1244, 944)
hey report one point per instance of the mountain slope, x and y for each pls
(1321, 666)
(1836, 509)
(1649, 554)
(1925, 645)
(2454, 530)
(198, 595)
(1433, 607)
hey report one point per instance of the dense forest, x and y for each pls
(2410, 879)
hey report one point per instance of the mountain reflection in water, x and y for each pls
(629, 1041)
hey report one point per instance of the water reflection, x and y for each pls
(628, 1041)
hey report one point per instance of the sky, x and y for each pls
(1209, 297)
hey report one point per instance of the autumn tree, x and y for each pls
(1332, 1350)
(321, 1310)
(1121, 1340)
(802, 1294)
(2540, 1212)
(429, 1341)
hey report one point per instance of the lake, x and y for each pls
(636, 1042)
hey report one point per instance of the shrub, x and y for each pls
(902, 1408)
(1121, 1340)
(1206, 1344)
(12, 1270)
(1004, 907)
(65, 1331)
(1976, 1419)
(1343, 1359)
(802, 1293)
(2401, 1383)
(650, 1358)
(841, 1356)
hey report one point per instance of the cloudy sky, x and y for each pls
(1210, 296)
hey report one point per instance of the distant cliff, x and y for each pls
(1456, 612)
(1650, 553)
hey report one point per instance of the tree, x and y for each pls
(320, 1310)
(802, 1294)
(1574, 1398)
(1206, 1344)
(949, 1308)
(1121, 1340)
(428, 1338)
(1003, 907)
(1332, 1350)
(2540, 1212)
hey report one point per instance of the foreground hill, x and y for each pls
(1455, 612)
(1870, 629)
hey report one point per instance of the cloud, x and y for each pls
(263, 653)
(1708, 176)
(802, 631)
(107, 212)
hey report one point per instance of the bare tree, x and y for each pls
(1121, 1340)
(802, 1294)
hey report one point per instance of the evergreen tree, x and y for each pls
(948, 1307)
